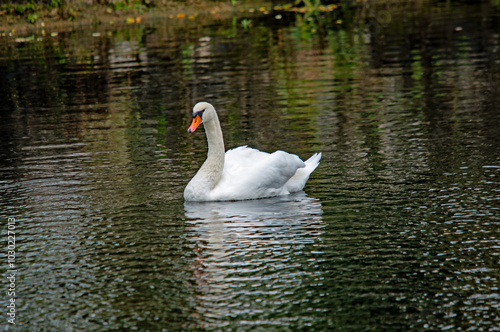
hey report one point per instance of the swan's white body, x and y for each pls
(243, 172)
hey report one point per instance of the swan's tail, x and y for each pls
(298, 181)
(313, 162)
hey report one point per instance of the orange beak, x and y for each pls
(195, 124)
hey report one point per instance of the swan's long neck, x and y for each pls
(214, 165)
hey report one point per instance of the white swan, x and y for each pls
(243, 172)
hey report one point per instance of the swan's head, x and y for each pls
(202, 112)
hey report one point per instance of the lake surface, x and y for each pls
(397, 229)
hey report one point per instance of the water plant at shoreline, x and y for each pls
(71, 10)
(42, 12)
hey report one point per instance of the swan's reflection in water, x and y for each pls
(255, 259)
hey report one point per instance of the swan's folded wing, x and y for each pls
(251, 173)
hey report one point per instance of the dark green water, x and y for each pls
(398, 228)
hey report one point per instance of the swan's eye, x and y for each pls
(200, 113)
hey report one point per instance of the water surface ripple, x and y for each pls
(396, 230)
